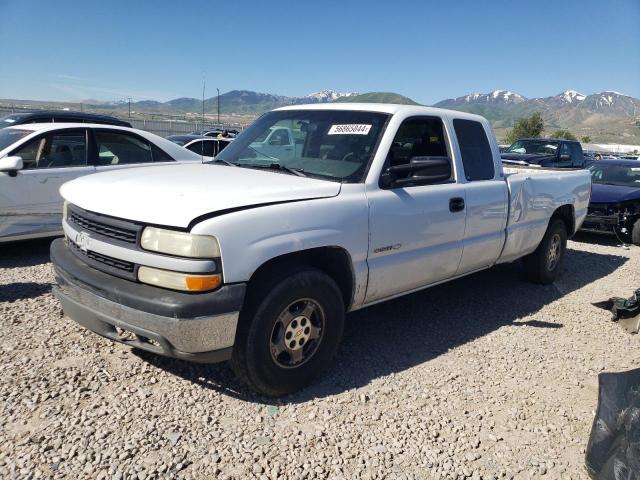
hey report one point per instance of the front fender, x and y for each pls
(250, 238)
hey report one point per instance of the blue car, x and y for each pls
(615, 199)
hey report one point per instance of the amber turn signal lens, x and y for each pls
(179, 281)
(202, 283)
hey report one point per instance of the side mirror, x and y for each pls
(419, 171)
(11, 165)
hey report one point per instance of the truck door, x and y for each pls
(416, 231)
(577, 156)
(486, 198)
(31, 204)
(563, 160)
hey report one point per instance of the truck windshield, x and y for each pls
(534, 147)
(332, 144)
(612, 174)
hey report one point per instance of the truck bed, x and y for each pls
(534, 194)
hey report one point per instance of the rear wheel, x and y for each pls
(543, 265)
(288, 331)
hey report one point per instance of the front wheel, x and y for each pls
(543, 265)
(289, 331)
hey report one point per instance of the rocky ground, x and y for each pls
(485, 377)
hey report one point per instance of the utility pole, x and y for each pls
(81, 107)
(218, 106)
(129, 100)
(203, 85)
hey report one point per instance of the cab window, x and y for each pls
(55, 150)
(120, 148)
(475, 150)
(417, 137)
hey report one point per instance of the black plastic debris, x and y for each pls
(613, 452)
(626, 311)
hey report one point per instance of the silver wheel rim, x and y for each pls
(553, 256)
(297, 333)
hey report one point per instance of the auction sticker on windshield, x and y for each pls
(350, 129)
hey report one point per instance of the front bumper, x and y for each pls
(196, 327)
(600, 223)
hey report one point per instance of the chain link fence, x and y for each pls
(176, 125)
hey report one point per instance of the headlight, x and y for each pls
(64, 210)
(179, 243)
(179, 281)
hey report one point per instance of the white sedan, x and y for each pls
(36, 159)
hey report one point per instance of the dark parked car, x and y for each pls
(46, 116)
(615, 199)
(182, 140)
(546, 152)
(207, 146)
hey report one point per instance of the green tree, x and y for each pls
(526, 127)
(566, 134)
(586, 139)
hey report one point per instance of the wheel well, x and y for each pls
(334, 261)
(567, 215)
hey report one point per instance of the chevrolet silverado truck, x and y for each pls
(255, 257)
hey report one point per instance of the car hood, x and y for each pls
(174, 195)
(601, 193)
(526, 157)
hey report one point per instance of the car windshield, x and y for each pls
(332, 144)
(534, 147)
(10, 120)
(612, 174)
(9, 136)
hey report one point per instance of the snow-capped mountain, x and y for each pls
(504, 97)
(328, 95)
(570, 97)
(612, 102)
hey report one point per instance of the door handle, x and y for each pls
(456, 204)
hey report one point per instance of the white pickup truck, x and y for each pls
(256, 257)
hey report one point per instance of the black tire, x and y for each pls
(268, 300)
(635, 233)
(542, 266)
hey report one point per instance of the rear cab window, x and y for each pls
(475, 150)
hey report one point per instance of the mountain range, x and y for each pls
(235, 102)
(604, 117)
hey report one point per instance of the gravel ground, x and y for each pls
(484, 377)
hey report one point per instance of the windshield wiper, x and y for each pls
(276, 166)
(295, 171)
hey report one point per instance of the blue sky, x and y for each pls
(427, 50)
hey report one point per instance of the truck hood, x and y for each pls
(526, 158)
(174, 195)
(601, 193)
